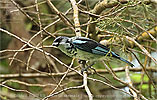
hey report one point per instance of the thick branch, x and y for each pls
(91, 29)
(130, 82)
(86, 86)
(76, 18)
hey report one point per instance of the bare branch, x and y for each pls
(16, 90)
(86, 86)
(121, 81)
(62, 16)
(70, 74)
(76, 18)
(66, 89)
(142, 48)
(130, 83)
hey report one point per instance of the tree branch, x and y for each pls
(130, 82)
(76, 18)
(91, 29)
(90, 96)
(62, 16)
(70, 74)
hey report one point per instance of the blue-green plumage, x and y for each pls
(85, 49)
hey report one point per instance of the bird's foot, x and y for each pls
(86, 68)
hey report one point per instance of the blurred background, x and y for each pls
(27, 73)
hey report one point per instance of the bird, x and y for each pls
(85, 49)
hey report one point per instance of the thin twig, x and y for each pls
(63, 77)
(16, 90)
(142, 48)
(121, 81)
(66, 89)
(62, 16)
(144, 70)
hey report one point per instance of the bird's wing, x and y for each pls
(91, 46)
(94, 47)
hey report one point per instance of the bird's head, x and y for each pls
(59, 40)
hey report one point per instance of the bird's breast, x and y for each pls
(80, 54)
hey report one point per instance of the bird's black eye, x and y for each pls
(57, 41)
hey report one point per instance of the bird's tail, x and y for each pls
(126, 62)
(118, 57)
